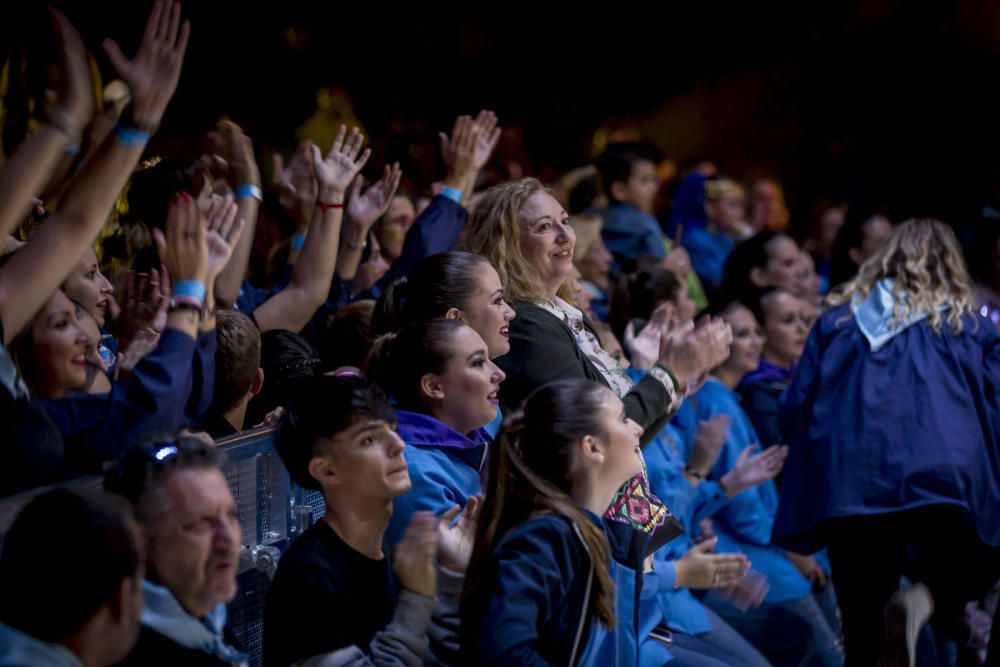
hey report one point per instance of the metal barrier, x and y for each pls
(272, 511)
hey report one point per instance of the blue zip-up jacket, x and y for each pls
(170, 389)
(745, 524)
(678, 609)
(536, 580)
(445, 468)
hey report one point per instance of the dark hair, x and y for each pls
(399, 360)
(750, 254)
(435, 285)
(616, 163)
(289, 361)
(139, 471)
(584, 193)
(528, 475)
(237, 358)
(851, 236)
(326, 407)
(151, 190)
(65, 556)
(636, 295)
(348, 339)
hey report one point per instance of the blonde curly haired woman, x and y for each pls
(892, 419)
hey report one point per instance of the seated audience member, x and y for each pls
(785, 321)
(767, 260)
(454, 285)
(628, 175)
(766, 208)
(550, 581)
(709, 246)
(288, 360)
(189, 523)
(799, 595)
(445, 388)
(71, 576)
(348, 339)
(862, 234)
(238, 376)
(339, 438)
(593, 260)
(169, 389)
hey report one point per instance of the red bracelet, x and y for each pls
(326, 207)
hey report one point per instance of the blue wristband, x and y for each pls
(453, 194)
(248, 190)
(130, 136)
(192, 288)
(298, 240)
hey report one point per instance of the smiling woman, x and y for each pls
(51, 354)
(525, 234)
(445, 388)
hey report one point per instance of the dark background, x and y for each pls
(885, 100)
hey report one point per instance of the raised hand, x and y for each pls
(222, 230)
(77, 96)
(487, 137)
(459, 152)
(345, 159)
(296, 182)
(234, 155)
(145, 299)
(363, 210)
(182, 247)
(153, 74)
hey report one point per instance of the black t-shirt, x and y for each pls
(325, 596)
(31, 447)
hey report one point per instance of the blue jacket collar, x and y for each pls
(767, 371)
(164, 614)
(875, 312)
(424, 431)
(21, 650)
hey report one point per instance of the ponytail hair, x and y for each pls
(529, 474)
(398, 361)
(435, 285)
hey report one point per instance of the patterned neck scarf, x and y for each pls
(588, 343)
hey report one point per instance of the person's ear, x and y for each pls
(619, 190)
(591, 450)
(756, 276)
(321, 469)
(430, 387)
(453, 314)
(257, 383)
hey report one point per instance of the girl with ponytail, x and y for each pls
(550, 582)
(453, 285)
(445, 387)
